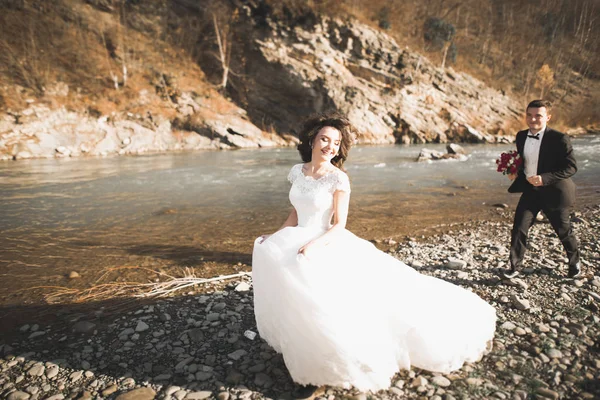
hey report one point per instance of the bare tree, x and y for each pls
(122, 27)
(113, 76)
(224, 42)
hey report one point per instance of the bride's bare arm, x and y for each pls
(341, 202)
(292, 220)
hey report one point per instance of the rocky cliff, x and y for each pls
(390, 93)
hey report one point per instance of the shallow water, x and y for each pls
(204, 209)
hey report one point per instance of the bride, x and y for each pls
(340, 311)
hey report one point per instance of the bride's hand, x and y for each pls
(262, 238)
(304, 249)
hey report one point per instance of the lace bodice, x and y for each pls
(313, 198)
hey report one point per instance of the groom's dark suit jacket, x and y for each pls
(556, 165)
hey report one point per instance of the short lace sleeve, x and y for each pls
(341, 182)
(294, 173)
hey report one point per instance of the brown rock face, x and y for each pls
(391, 94)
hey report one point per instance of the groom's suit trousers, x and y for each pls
(530, 203)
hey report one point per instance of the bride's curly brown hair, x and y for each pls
(314, 124)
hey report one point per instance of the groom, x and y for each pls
(544, 180)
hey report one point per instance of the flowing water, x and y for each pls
(204, 209)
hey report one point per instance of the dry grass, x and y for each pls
(85, 48)
(70, 41)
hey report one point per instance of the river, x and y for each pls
(204, 209)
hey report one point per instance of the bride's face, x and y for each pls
(326, 144)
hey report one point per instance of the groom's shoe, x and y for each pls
(510, 273)
(575, 270)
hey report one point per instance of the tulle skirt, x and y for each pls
(347, 314)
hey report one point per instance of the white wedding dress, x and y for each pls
(347, 314)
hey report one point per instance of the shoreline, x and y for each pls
(193, 345)
(61, 152)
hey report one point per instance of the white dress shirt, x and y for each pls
(531, 153)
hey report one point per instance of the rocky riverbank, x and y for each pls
(203, 345)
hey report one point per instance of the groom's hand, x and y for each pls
(512, 177)
(535, 180)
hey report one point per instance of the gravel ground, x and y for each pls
(204, 345)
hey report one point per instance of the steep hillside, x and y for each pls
(105, 77)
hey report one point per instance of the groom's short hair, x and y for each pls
(539, 104)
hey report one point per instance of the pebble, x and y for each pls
(519, 303)
(441, 381)
(554, 353)
(74, 275)
(455, 263)
(203, 376)
(84, 326)
(180, 394)
(223, 396)
(144, 393)
(36, 334)
(171, 389)
(85, 395)
(196, 335)
(419, 381)
(37, 370)
(109, 390)
(198, 395)
(242, 287)
(263, 380)
(474, 381)
(520, 331)
(547, 393)
(508, 326)
(18, 395)
(213, 317)
(236, 355)
(141, 326)
(543, 328)
(75, 376)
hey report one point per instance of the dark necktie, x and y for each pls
(536, 136)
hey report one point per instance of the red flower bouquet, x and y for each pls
(509, 163)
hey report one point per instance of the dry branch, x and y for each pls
(105, 291)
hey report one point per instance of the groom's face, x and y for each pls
(537, 118)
